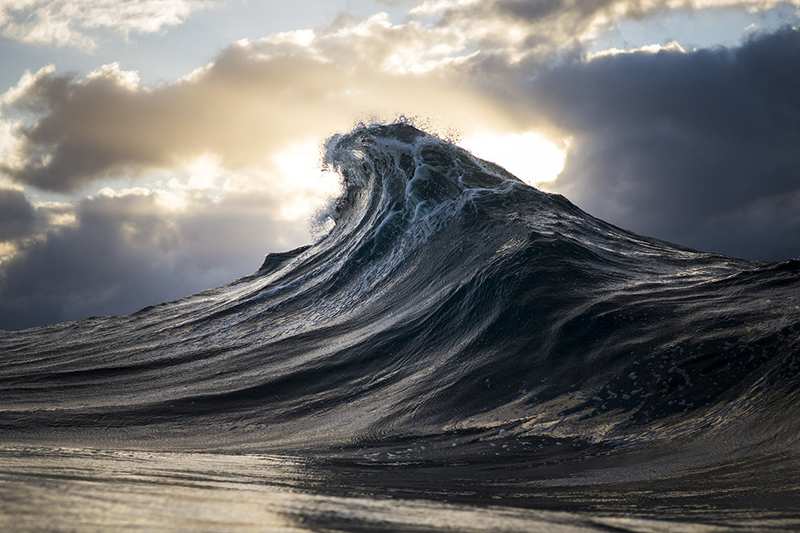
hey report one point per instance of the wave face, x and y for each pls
(457, 314)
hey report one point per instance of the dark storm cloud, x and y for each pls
(17, 215)
(125, 252)
(700, 148)
(529, 10)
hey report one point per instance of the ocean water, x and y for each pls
(460, 352)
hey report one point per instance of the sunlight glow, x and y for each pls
(7, 251)
(529, 156)
(308, 186)
(672, 46)
(205, 172)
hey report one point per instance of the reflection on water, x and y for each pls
(60, 489)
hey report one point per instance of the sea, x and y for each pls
(457, 351)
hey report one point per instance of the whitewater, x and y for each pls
(460, 352)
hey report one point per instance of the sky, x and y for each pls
(150, 149)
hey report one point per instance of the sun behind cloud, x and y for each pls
(529, 155)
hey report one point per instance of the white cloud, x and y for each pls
(25, 84)
(75, 23)
(672, 46)
(112, 72)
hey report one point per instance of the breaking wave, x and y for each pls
(453, 314)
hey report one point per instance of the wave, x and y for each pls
(452, 311)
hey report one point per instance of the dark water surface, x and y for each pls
(461, 352)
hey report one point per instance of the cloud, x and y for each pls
(250, 103)
(467, 70)
(77, 23)
(129, 249)
(699, 148)
(17, 215)
(535, 30)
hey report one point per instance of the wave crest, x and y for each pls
(449, 301)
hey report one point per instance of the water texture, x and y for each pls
(460, 352)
